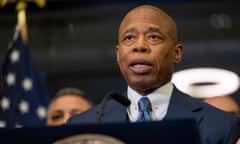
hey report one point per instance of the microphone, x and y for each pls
(112, 95)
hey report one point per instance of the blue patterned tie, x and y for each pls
(144, 106)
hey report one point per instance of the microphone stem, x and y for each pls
(102, 105)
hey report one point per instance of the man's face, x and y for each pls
(147, 50)
(64, 107)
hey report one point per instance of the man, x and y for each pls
(147, 51)
(66, 103)
(226, 103)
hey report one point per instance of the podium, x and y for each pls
(164, 132)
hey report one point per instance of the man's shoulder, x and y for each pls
(112, 111)
(89, 116)
(203, 107)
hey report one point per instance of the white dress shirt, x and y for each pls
(159, 98)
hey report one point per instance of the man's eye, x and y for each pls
(56, 117)
(128, 38)
(154, 37)
(75, 112)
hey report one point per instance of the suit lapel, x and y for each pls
(114, 112)
(183, 106)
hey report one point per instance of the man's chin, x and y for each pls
(142, 88)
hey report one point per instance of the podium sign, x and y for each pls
(165, 132)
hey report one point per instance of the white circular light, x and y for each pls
(206, 82)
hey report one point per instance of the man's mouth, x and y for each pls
(140, 67)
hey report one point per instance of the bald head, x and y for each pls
(152, 14)
(147, 48)
(225, 103)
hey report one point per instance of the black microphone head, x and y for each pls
(112, 95)
(121, 99)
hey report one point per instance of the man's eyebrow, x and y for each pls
(154, 29)
(129, 30)
(76, 110)
(58, 110)
(150, 29)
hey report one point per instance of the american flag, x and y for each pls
(24, 99)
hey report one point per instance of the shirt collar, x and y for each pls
(158, 97)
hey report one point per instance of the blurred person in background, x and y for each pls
(66, 103)
(226, 103)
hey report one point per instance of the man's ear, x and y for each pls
(177, 53)
(117, 47)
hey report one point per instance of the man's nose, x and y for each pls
(141, 45)
(66, 117)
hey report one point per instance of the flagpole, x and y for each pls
(21, 6)
(21, 19)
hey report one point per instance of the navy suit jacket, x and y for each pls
(216, 126)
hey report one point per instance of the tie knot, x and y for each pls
(144, 104)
